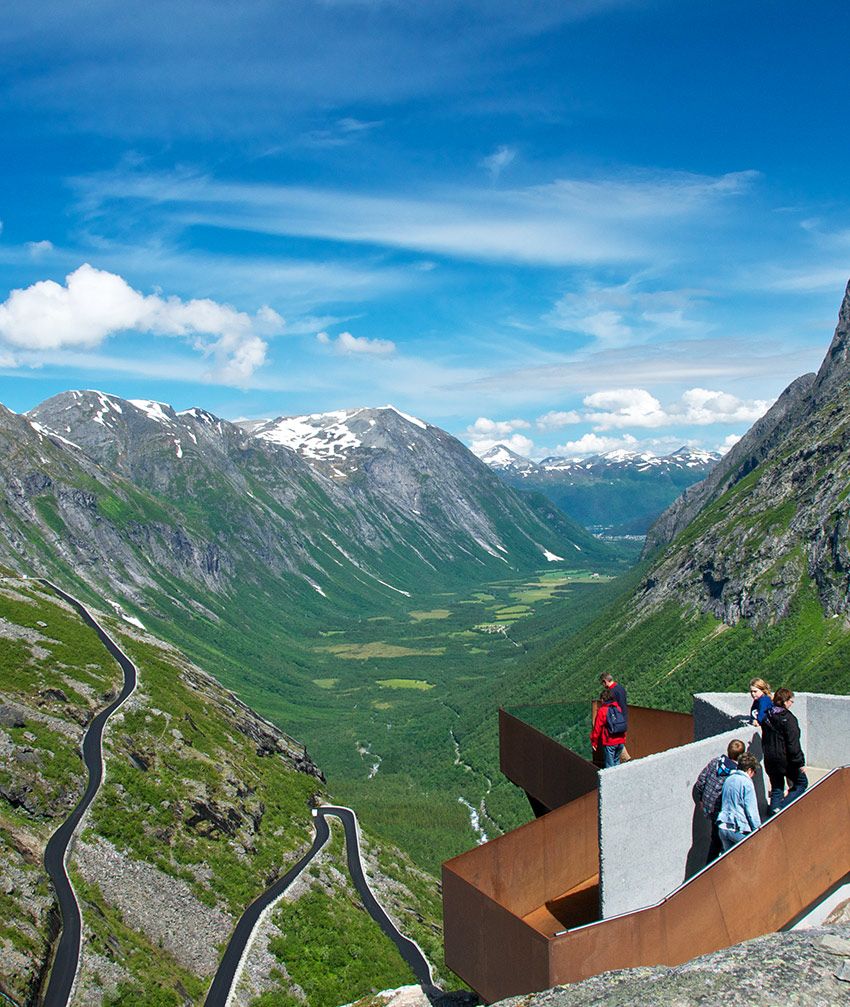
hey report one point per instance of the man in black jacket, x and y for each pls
(783, 756)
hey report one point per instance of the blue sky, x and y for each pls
(565, 226)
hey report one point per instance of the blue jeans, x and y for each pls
(729, 838)
(778, 798)
(612, 754)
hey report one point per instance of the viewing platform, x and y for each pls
(612, 872)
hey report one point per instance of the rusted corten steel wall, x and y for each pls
(554, 775)
(542, 767)
(758, 887)
(488, 946)
(488, 890)
(652, 731)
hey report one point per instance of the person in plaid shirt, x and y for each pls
(708, 790)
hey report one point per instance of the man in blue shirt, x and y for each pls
(739, 812)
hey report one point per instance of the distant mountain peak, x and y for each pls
(502, 457)
(336, 434)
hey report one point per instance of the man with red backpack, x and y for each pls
(609, 729)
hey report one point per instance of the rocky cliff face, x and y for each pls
(774, 513)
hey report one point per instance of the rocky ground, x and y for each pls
(806, 968)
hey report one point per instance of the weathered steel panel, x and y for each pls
(489, 947)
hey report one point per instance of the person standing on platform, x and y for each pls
(783, 756)
(609, 729)
(739, 810)
(708, 790)
(619, 691)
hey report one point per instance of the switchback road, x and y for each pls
(67, 958)
(237, 948)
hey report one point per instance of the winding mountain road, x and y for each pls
(67, 958)
(239, 944)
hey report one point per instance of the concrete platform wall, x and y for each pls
(652, 835)
(825, 728)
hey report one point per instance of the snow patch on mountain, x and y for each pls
(155, 410)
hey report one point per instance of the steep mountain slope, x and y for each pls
(774, 516)
(619, 492)
(204, 803)
(404, 504)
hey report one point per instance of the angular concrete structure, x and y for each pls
(610, 875)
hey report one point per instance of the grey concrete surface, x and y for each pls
(652, 835)
(825, 728)
(716, 712)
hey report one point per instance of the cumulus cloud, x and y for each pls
(593, 444)
(624, 407)
(554, 419)
(347, 344)
(94, 305)
(636, 407)
(485, 427)
(701, 406)
(518, 443)
(496, 162)
(485, 433)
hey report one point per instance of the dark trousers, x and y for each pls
(715, 847)
(778, 775)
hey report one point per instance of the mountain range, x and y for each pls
(619, 492)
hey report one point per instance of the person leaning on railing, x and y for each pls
(708, 790)
(739, 810)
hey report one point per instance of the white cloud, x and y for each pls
(494, 428)
(701, 407)
(615, 314)
(625, 407)
(609, 219)
(636, 407)
(485, 433)
(37, 249)
(554, 420)
(518, 443)
(729, 442)
(496, 162)
(593, 444)
(347, 344)
(95, 304)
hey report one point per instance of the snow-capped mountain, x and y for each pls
(501, 457)
(341, 505)
(619, 490)
(336, 441)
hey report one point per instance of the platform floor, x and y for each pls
(574, 908)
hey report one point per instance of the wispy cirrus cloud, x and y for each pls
(617, 313)
(566, 222)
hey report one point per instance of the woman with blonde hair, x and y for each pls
(762, 697)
